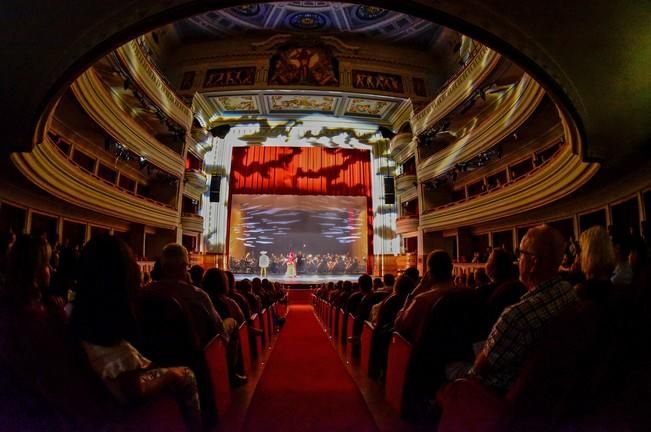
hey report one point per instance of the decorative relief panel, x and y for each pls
(367, 80)
(302, 103)
(237, 104)
(368, 107)
(244, 76)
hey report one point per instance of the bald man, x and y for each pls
(520, 325)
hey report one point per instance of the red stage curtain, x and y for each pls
(304, 171)
(300, 171)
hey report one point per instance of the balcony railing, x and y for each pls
(406, 224)
(195, 183)
(399, 141)
(147, 77)
(192, 222)
(458, 88)
(406, 182)
(96, 99)
(50, 169)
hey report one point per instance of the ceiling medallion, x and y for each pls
(369, 13)
(247, 10)
(307, 21)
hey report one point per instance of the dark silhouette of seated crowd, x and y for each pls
(114, 353)
(532, 346)
(543, 344)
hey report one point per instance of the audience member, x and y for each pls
(623, 273)
(196, 274)
(597, 261)
(520, 325)
(411, 320)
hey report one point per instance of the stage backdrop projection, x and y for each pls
(327, 234)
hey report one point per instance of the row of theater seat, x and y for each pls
(165, 331)
(572, 377)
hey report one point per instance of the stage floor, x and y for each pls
(301, 279)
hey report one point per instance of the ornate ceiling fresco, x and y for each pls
(310, 17)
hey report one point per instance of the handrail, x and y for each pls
(48, 168)
(149, 79)
(454, 91)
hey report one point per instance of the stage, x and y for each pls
(302, 281)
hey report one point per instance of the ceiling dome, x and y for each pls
(309, 16)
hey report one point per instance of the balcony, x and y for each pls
(147, 77)
(399, 142)
(95, 98)
(458, 89)
(196, 183)
(199, 147)
(406, 183)
(192, 223)
(509, 115)
(406, 224)
(50, 169)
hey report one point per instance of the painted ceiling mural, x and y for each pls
(310, 16)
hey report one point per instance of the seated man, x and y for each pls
(520, 325)
(175, 283)
(436, 283)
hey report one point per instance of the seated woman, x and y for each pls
(104, 321)
(597, 262)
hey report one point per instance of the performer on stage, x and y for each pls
(291, 265)
(263, 263)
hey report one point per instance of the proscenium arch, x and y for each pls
(75, 34)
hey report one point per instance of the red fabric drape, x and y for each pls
(300, 171)
(304, 171)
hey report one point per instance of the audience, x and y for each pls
(105, 322)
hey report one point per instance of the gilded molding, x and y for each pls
(405, 183)
(196, 183)
(509, 115)
(458, 90)
(561, 176)
(192, 223)
(399, 141)
(198, 148)
(406, 224)
(95, 98)
(48, 168)
(147, 78)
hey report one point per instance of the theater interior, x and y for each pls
(390, 216)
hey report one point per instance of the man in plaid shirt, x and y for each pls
(520, 325)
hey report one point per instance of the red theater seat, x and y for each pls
(245, 347)
(217, 365)
(365, 351)
(399, 354)
(555, 375)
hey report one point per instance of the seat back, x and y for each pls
(217, 367)
(397, 362)
(245, 347)
(167, 334)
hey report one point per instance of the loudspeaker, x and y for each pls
(215, 184)
(389, 190)
(220, 131)
(386, 132)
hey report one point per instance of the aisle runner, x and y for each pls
(305, 386)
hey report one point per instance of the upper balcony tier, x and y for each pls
(559, 177)
(508, 116)
(192, 223)
(457, 89)
(405, 183)
(406, 224)
(148, 78)
(50, 169)
(399, 142)
(96, 100)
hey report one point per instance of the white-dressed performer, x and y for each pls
(263, 263)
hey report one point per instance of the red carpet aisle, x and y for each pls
(305, 386)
